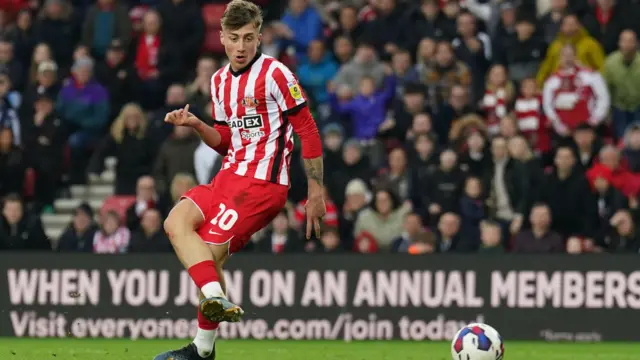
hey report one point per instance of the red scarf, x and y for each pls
(603, 16)
(532, 123)
(147, 55)
(494, 104)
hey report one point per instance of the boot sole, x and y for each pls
(214, 311)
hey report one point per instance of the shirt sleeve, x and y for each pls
(285, 89)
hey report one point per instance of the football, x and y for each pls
(477, 342)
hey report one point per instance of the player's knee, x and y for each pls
(173, 226)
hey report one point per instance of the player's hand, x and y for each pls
(182, 117)
(315, 209)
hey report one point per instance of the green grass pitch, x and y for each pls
(70, 349)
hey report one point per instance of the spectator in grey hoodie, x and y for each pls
(364, 63)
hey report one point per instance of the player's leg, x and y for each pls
(203, 345)
(205, 338)
(181, 227)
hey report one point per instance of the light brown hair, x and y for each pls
(240, 13)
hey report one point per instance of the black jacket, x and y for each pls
(27, 234)
(517, 182)
(72, 241)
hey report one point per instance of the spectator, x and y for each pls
(151, 237)
(508, 185)
(367, 111)
(631, 151)
(587, 146)
(532, 122)
(19, 230)
(8, 115)
(566, 192)
(540, 238)
(621, 178)
(425, 56)
(444, 74)
(128, 141)
(11, 66)
(472, 208)
(348, 25)
(609, 200)
(146, 198)
(357, 196)
(269, 44)
(329, 242)
(12, 164)
(332, 138)
(300, 25)
(56, 28)
(473, 48)
(78, 236)
(315, 71)
(621, 71)
(364, 64)
(598, 22)
(520, 151)
(421, 125)
(491, 238)
(387, 28)
(44, 146)
(406, 108)
(508, 127)
(83, 104)
(525, 53)
(175, 156)
(176, 98)
(354, 165)
(552, 20)
(343, 50)
(383, 219)
(449, 239)
(412, 228)
(503, 33)
(476, 159)
(117, 75)
(45, 84)
(41, 54)
(156, 62)
(426, 22)
(423, 158)
(396, 177)
(199, 91)
(22, 36)
(105, 21)
(207, 163)
(180, 184)
(280, 238)
(574, 95)
(498, 97)
(112, 237)
(574, 246)
(403, 70)
(623, 238)
(440, 191)
(183, 28)
(572, 35)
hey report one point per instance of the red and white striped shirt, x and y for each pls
(254, 103)
(532, 123)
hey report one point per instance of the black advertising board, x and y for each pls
(345, 297)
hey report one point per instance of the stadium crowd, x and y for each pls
(473, 126)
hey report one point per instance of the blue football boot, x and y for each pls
(189, 352)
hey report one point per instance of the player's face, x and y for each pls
(241, 45)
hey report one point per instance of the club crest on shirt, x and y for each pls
(294, 90)
(250, 102)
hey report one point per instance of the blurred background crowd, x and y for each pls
(471, 126)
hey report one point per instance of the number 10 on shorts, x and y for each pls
(226, 218)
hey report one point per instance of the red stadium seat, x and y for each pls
(119, 204)
(212, 13)
(212, 42)
(29, 183)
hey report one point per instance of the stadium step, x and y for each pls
(66, 206)
(92, 191)
(110, 163)
(53, 234)
(56, 220)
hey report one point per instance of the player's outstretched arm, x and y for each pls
(304, 125)
(217, 138)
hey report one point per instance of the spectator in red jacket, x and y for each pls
(574, 95)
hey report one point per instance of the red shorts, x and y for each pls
(235, 207)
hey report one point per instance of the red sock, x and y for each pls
(203, 273)
(206, 324)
